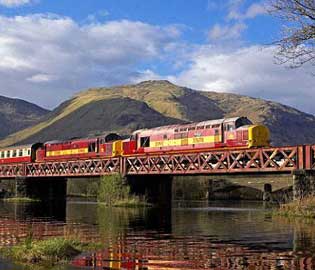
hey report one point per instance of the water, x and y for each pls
(194, 235)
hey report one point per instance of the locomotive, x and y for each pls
(237, 132)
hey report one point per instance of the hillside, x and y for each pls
(153, 103)
(16, 114)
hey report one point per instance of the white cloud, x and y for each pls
(226, 32)
(14, 3)
(40, 78)
(52, 57)
(249, 71)
(254, 10)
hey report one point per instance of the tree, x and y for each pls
(297, 45)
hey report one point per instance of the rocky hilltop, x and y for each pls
(153, 103)
(16, 114)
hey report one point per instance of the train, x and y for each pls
(237, 132)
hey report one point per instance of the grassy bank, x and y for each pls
(300, 208)
(46, 252)
(20, 200)
(113, 191)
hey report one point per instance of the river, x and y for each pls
(190, 235)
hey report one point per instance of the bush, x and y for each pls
(112, 189)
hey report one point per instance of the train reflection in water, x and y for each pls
(172, 255)
(196, 238)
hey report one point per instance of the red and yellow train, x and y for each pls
(238, 132)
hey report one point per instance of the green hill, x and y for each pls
(153, 103)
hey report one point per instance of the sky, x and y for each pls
(50, 50)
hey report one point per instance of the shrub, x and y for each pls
(112, 189)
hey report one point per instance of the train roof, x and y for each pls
(110, 136)
(203, 123)
(25, 146)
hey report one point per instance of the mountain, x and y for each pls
(153, 103)
(16, 114)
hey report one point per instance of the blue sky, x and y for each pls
(50, 50)
(196, 15)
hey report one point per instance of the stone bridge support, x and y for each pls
(303, 184)
(157, 189)
(45, 189)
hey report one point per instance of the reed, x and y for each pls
(304, 207)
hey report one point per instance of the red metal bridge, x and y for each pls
(273, 159)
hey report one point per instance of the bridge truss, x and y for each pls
(274, 159)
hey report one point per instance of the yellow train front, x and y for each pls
(237, 132)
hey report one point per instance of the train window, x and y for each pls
(229, 127)
(216, 126)
(183, 129)
(14, 153)
(29, 152)
(20, 152)
(2, 154)
(8, 154)
(92, 147)
(201, 127)
(145, 142)
(176, 130)
(208, 126)
(216, 132)
(191, 128)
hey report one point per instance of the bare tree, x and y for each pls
(297, 45)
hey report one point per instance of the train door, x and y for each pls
(92, 147)
(222, 133)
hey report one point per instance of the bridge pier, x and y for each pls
(45, 189)
(303, 183)
(156, 188)
(267, 194)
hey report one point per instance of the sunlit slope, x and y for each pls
(288, 126)
(153, 103)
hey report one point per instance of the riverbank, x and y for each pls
(301, 208)
(20, 200)
(46, 252)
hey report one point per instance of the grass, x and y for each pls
(47, 252)
(304, 207)
(20, 200)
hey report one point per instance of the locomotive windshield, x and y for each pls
(242, 121)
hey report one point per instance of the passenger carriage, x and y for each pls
(19, 154)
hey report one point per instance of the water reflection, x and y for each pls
(194, 236)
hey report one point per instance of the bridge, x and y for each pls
(261, 160)
(296, 160)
